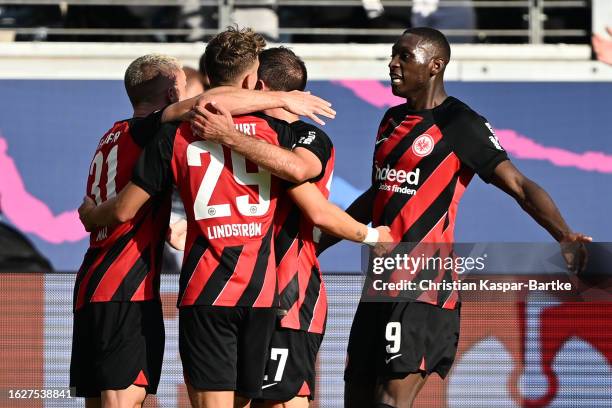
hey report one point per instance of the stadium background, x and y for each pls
(550, 106)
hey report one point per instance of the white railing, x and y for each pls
(535, 15)
(470, 62)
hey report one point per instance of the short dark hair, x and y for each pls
(281, 70)
(230, 53)
(202, 71)
(435, 38)
(202, 64)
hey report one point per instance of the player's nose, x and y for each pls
(394, 62)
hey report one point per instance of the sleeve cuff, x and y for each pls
(486, 172)
(143, 184)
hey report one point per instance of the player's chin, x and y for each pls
(397, 90)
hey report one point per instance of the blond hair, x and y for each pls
(149, 76)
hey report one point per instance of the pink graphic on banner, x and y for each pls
(519, 146)
(522, 147)
(373, 92)
(28, 213)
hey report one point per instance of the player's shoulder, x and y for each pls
(122, 125)
(149, 122)
(112, 134)
(454, 111)
(262, 121)
(142, 129)
(307, 130)
(300, 125)
(166, 134)
(395, 111)
(260, 116)
(170, 129)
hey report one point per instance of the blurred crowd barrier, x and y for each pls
(322, 21)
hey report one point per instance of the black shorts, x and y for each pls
(291, 367)
(392, 340)
(225, 348)
(115, 345)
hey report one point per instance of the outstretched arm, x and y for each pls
(539, 205)
(242, 101)
(332, 219)
(215, 123)
(532, 198)
(118, 209)
(360, 210)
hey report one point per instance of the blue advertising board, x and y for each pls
(558, 134)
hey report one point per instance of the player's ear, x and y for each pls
(249, 81)
(436, 66)
(172, 94)
(260, 85)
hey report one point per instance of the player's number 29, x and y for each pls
(202, 209)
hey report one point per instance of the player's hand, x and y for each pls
(603, 47)
(84, 210)
(177, 234)
(305, 104)
(212, 122)
(385, 241)
(574, 251)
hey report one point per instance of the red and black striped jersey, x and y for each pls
(300, 284)
(123, 262)
(229, 203)
(423, 161)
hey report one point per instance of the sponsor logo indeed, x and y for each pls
(400, 176)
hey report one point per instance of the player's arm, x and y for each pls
(151, 176)
(118, 209)
(532, 198)
(360, 210)
(333, 220)
(476, 145)
(536, 202)
(242, 101)
(215, 123)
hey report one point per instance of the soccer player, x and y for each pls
(290, 375)
(118, 335)
(227, 288)
(117, 287)
(426, 152)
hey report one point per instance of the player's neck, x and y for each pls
(236, 84)
(145, 109)
(427, 99)
(280, 113)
